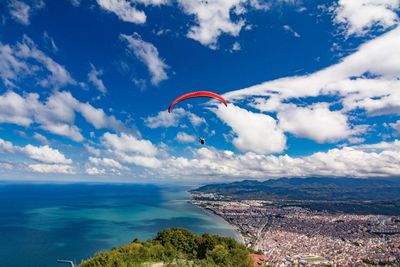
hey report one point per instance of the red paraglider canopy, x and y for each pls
(197, 94)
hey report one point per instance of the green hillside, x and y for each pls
(175, 247)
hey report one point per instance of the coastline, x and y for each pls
(239, 236)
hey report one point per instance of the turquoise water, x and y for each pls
(40, 223)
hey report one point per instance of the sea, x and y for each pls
(40, 223)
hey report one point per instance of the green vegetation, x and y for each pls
(175, 247)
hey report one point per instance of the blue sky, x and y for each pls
(312, 86)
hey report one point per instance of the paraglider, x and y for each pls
(195, 95)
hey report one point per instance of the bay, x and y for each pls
(40, 223)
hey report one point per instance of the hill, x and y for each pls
(175, 247)
(348, 195)
(339, 189)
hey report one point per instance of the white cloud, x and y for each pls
(124, 10)
(345, 162)
(382, 146)
(16, 109)
(92, 150)
(52, 168)
(131, 150)
(94, 171)
(374, 58)
(6, 146)
(55, 115)
(49, 42)
(152, 2)
(194, 119)
(11, 67)
(315, 122)
(25, 59)
(75, 3)
(70, 131)
(148, 54)
(165, 119)
(290, 29)
(360, 16)
(236, 46)
(183, 137)
(213, 18)
(261, 4)
(395, 126)
(125, 143)
(41, 138)
(106, 162)
(94, 78)
(254, 131)
(21, 11)
(98, 118)
(367, 80)
(143, 161)
(45, 154)
(58, 76)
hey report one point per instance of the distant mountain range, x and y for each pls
(311, 189)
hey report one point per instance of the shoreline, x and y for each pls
(240, 237)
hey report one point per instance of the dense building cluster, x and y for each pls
(289, 235)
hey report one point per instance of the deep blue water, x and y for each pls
(40, 223)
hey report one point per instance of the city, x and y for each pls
(289, 235)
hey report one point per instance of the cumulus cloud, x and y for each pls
(344, 162)
(148, 54)
(106, 162)
(165, 119)
(41, 138)
(143, 161)
(92, 150)
(382, 146)
(94, 171)
(129, 149)
(52, 168)
(25, 59)
(6, 146)
(50, 159)
(43, 154)
(217, 17)
(358, 17)
(254, 131)
(94, 78)
(213, 18)
(56, 114)
(125, 143)
(316, 122)
(366, 81)
(183, 137)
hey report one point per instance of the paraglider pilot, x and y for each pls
(195, 95)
